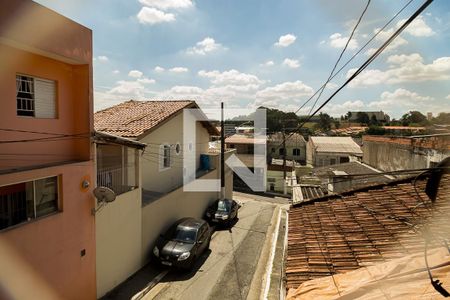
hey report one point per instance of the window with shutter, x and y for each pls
(36, 97)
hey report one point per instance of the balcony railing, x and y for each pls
(115, 179)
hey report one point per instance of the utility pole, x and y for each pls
(222, 154)
(284, 162)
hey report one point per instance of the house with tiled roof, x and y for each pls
(149, 183)
(341, 177)
(354, 244)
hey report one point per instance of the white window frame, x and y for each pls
(162, 157)
(35, 216)
(40, 109)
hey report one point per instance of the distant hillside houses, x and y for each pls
(379, 115)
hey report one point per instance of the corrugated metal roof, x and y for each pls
(335, 144)
(243, 139)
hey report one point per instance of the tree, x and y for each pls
(348, 115)
(442, 118)
(374, 121)
(337, 124)
(324, 121)
(362, 117)
(376, 130)
(415, 117)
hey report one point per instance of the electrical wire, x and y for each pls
(368, 61)
(340, 56)
(359, 51)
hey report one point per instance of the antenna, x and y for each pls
(104, 196)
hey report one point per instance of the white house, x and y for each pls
(326, 150)
(160, 198)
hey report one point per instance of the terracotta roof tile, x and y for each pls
(337, 234)
(133, 118)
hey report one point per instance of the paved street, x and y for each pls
(232, 268)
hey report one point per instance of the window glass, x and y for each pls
(28, 200)
(46, 196)
(25, 95)
(223, 206)
(184, 235)
(166, 159)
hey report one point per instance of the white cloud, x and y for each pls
(286, 40)
(404, 68)
(448, 97)
(151, 15)
(284, 91)
(291, 63)
(116, 72)
(205, 46)
(145, 80)
(103, 58)
(231, 77)
(331, 85)
(135, 74)
(125, 87)
(383, 36)
(268, 63)
(339, 41)
(167, 4)
(179, 70)
(159, 69)
(418, 27)
(206, 97)
(337, 109)
(402, 99)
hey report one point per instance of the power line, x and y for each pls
(367, 62)
(340, 56)
(49, 139)
(359, 51)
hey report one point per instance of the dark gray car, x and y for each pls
(183, 243)
(222, 211)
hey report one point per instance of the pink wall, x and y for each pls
(52, 244)
(38, 42)
(73, 106)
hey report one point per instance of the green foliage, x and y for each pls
(414, 117)
(442, 118)
(376, 130)
(324, 122)
(362, 117)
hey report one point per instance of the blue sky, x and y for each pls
(274, 53)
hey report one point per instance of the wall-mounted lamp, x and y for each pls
(85, 184)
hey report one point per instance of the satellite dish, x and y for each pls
(104, 194)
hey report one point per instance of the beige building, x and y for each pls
(295, 147)
(325, 150)
(118, 224)
(154, 197)
(275, 181)
(245, 145)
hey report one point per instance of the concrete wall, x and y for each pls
(160, 214)
(118, 240)
(391, 154)
(51, 245)
(165, 180)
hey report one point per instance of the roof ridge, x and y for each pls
(357, 190)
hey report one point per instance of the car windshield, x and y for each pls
(184, 235)
(223, 206)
